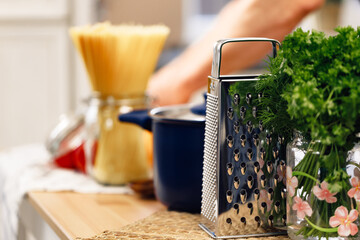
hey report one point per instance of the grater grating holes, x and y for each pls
(208, 206)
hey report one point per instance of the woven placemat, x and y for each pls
(169, 225)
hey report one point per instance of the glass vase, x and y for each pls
(323, 188)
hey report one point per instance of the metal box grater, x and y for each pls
(244, 192)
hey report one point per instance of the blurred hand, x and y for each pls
(175, 82)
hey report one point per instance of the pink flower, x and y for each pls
(291, 182)
(301, 207)
(322, 193)
(282, 174)
(264, 198)
(355, 191)
(345, 221)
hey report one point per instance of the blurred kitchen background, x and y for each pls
(41, 75)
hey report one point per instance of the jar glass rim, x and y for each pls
(99, 99)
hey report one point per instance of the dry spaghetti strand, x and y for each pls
(119, 58)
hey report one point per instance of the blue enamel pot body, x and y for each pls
(178, 138)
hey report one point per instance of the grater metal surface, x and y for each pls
(209, 172)
(244, 192)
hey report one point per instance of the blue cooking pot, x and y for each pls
(178, 133)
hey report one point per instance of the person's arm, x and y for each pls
(176, 81)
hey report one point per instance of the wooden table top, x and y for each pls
(73, 215)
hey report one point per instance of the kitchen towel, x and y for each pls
(29, 168)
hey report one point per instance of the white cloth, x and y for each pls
(28, 168)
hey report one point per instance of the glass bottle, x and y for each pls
(115, 151)
(321, 191)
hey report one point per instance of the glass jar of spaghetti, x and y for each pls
(116, 152)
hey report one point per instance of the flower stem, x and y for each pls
(327, 230)
(355, 164)
(298, 173)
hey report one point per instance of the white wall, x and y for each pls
(39, 77)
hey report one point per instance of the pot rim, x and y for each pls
(177, 110)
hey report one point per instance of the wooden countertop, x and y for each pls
(73, 215)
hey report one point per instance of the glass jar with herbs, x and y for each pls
(313, 88)
(322, 189)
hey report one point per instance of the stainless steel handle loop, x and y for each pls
(216, 64)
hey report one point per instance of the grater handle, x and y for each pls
(216, 64)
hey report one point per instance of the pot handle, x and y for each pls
(138, 117)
